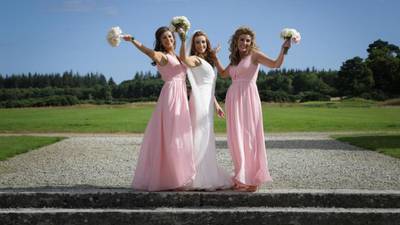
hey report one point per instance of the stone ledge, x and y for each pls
(235, 216)
(129, 199)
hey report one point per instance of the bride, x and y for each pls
(202, 77)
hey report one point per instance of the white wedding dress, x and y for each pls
(209, 176)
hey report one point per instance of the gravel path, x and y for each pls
(296, 161)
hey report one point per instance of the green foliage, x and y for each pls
(384, 62)
(355, 78)
(377, 78)
(313, 96)
(276, 96)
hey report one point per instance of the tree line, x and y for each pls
(376, 77)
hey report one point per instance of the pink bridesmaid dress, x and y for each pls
(166, 154)
(245, 130)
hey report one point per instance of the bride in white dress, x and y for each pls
(202, 77)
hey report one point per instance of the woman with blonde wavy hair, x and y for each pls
(243, 109)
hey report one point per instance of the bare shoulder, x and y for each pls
(257, 53)
(259, 56)
(255, 56)
(161, 58)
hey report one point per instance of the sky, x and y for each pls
(48, 36)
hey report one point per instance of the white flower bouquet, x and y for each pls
(290, 34)
(179, 22)
(114, 36)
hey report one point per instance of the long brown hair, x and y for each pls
(158, 44)
(207, 54)
(233, 48)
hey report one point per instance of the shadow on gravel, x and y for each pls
(303, 144)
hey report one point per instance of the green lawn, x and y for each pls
(386, 144)
(14, 145)
(133, 118)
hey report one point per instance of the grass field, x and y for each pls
(10, 146)
(386, 144)
(133, 118)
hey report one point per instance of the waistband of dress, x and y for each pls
(243, 81)
(175, 80)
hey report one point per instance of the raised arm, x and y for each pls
(190, 61)
(220, 68)
(158, 57)
(261, 58)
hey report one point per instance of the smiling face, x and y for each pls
(200, 44)
(167, 40)
(244, 43)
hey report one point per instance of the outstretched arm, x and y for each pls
(191, 61)
(158, 57)
(265, 60)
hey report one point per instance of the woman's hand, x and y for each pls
(220, 111)
(127, 37)
(214, 52)
(181, 34)
(287, 43)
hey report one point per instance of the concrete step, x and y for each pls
(123, 198)
(204, 216)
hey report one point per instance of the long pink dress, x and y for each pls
(166, 155)
(245, 125)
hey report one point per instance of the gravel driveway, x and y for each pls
(296, 161)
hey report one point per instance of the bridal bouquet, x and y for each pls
(114, 36)
(290, 34)
(179, 22)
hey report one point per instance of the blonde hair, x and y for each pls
(233, 44)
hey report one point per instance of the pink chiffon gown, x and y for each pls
(166, 154)
(245, 130)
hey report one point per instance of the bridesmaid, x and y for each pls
(245, 130)
(166, 154)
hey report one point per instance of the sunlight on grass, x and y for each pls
(14, 145)
(348, 115)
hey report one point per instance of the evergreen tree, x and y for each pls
(355, 78)
(384, 62)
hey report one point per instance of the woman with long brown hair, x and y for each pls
(166, 154)
(243, 109)
(202, 76)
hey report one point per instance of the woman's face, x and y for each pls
(244, 43)
(167, 40)
(200, 44)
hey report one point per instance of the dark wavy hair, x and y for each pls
(207, 54)
(158, 44)
(233, 48)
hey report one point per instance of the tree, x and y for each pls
(281, 83)
(384, 62)
(355, 78)
(305, 82)
(111, 82)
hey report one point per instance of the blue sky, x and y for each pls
(56, 35)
